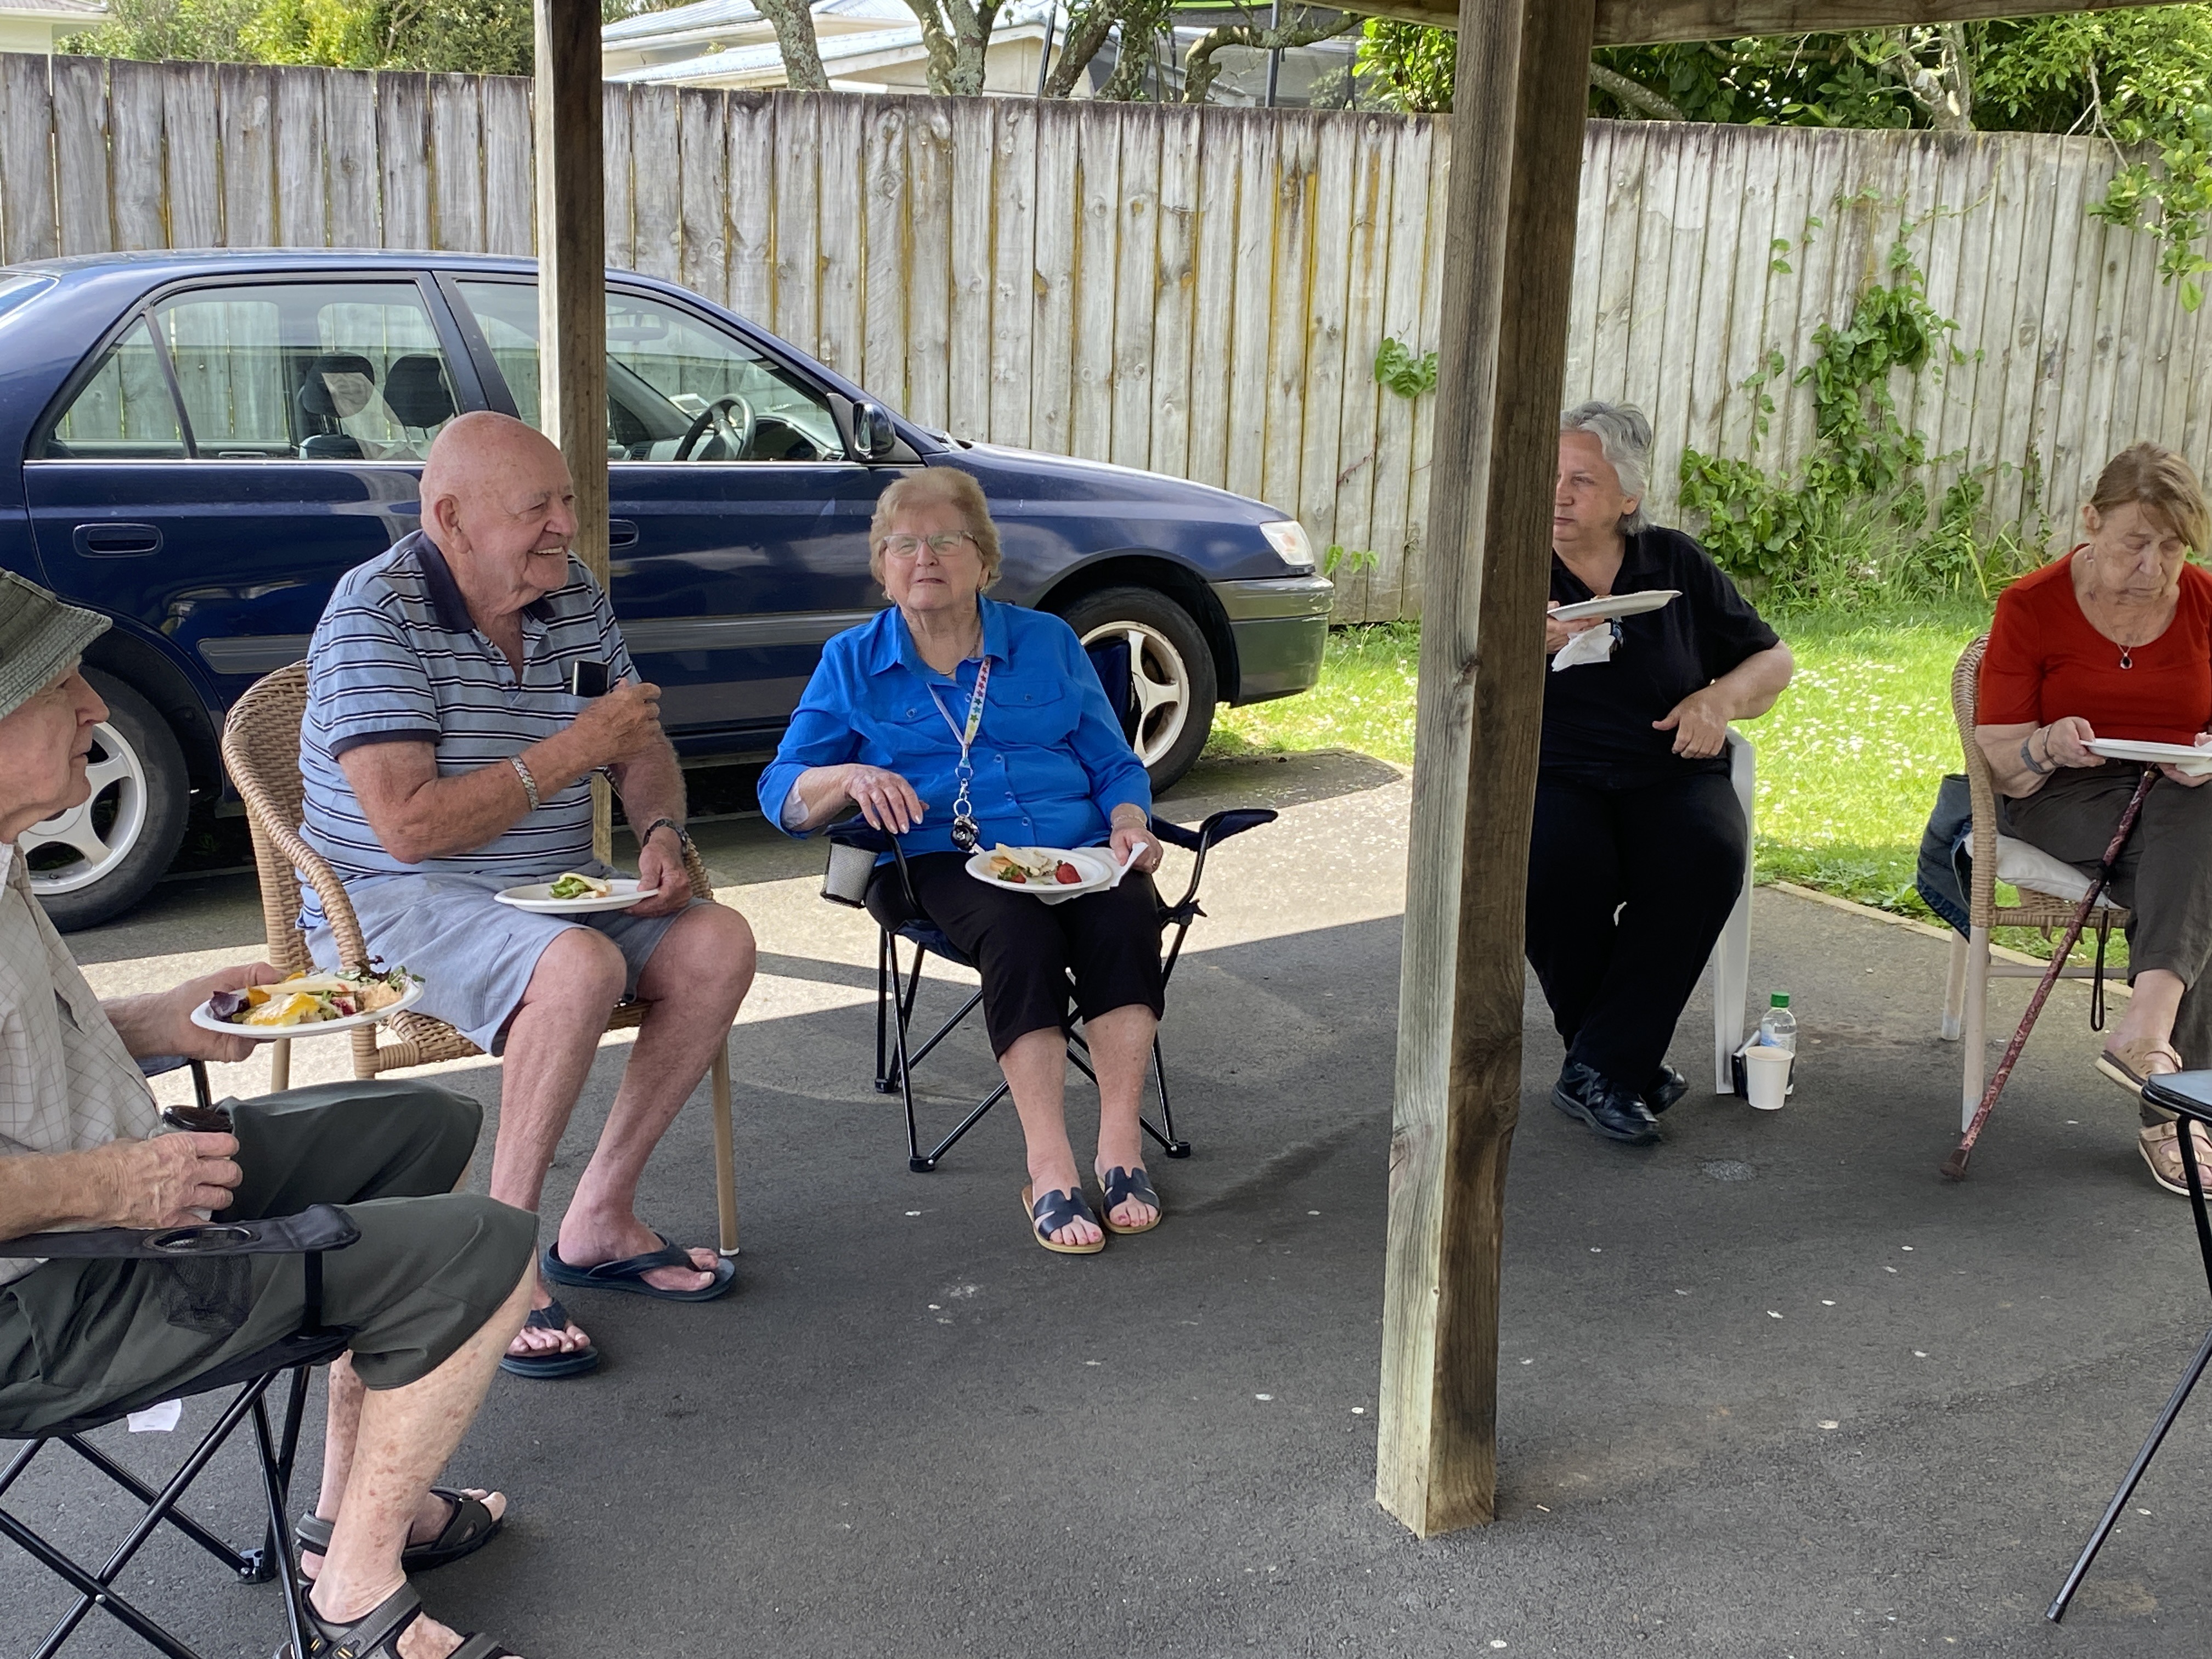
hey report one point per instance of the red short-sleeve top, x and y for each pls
(2045, 662)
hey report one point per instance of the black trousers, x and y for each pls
(1024, 949)
(1628, 890)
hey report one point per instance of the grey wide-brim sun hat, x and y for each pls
(40, 637)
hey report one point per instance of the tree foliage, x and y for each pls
(481, 37)
(2140, 78)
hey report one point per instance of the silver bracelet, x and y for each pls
(529, 783)
(2027, 759)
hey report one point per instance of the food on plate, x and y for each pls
(1027, 867)
(312, 999)
(574, 886)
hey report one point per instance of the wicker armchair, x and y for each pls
(1966, 1007)
(261, 751)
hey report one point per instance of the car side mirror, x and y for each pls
(874, 437)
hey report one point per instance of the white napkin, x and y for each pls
(1591, 644)
(157, 1419)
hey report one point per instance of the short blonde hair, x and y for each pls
(937, 486)
(2154, 478)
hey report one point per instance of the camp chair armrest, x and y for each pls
(320, 1227)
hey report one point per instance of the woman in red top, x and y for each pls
(2115, 640)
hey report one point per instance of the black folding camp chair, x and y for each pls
(898, 985)
(307, 1236)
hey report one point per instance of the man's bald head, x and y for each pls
(498, 503)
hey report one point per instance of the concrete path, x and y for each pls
(1770, 1389)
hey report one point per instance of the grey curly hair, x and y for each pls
(1624, 432)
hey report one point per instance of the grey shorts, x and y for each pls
(83, 1340)
(474, 954)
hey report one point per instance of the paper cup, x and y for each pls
(1767, 1076)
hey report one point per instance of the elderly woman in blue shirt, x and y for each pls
(955, 722)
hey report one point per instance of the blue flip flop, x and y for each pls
(543, 1366)
(628, 1274)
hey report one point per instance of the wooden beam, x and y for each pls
(1646, 22)
(1641, 22)
(1507, 252)
(572, 278)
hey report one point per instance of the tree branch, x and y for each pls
(1634, 94)
(1200, 71)
(794, 40)
(1944, 94)
(1088, 28)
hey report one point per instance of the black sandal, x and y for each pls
(1121, 1185)
(376, 1634)
(1057, 1209)
(556, 1363)
(467, 1529)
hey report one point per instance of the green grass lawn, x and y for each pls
(1849, 760)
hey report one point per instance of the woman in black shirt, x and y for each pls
(1639, 851)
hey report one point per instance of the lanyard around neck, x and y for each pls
(965, 737)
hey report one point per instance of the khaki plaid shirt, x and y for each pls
(67, 1084)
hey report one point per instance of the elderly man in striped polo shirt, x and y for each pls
(445, 758)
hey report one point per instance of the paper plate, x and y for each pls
(208, 1022)
(1097, 864)
(2190, 762)
(1617, 604)
(537, 897)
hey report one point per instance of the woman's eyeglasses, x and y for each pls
(944, 543)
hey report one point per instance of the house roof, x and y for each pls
(59, 11)
(858, 49)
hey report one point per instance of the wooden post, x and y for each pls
(1509, 255)
(571, 303)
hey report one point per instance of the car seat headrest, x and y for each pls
(417, 392)
(315, 391)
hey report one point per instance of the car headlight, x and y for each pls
(1289, 539)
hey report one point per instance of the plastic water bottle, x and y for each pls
(1777, 1027)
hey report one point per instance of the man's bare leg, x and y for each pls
(551, 1042)
(1121, 1051)
(341, 1427)
(404, 1437)
(695, 982)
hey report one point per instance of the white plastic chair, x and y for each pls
(1731, 963)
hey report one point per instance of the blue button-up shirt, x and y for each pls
(1050, 762)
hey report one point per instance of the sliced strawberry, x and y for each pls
(1066, 873)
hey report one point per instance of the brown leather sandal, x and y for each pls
(2161, 1145)
(2129, 1065)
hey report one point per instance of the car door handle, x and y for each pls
(622, 532)
(116, 541)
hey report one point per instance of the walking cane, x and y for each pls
(1954, 1167)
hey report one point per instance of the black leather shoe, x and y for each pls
(1666, 1086)
(1614, 1112)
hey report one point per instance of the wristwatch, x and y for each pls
(683, 836)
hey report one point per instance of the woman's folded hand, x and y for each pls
(1699, 723)
(2066, 743)
(886, 800)
(1557, 634)
(2203, 741)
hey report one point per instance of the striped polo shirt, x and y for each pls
(396, 659)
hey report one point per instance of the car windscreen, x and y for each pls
(678, 387)
(17, 285)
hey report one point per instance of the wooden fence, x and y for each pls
(1201, 292)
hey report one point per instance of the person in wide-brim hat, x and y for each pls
(428, 1295)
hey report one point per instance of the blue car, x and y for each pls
(198, 444)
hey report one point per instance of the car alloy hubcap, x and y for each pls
(1161, 681)
(99, 834)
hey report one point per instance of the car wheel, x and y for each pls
(1170, 669)
(96, 861)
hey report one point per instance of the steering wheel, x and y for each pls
(736, 436)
